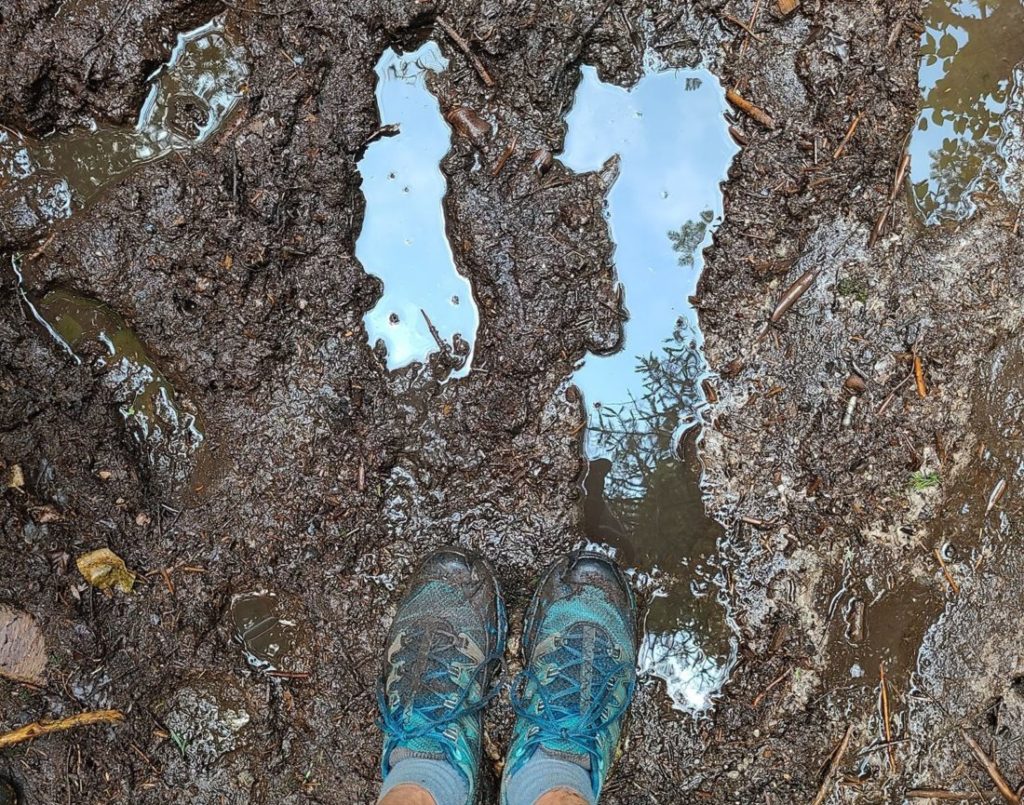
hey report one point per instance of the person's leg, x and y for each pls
(580, 651)
(409, 795)
(443, 647)
(562, 796)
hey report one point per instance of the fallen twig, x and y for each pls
(463, 45)
(833, 764)
(945, 571)
(938, 793)
(40, 728)
(749, 109)
(883, 216)
(922, 389)
(1005, 790)
(886, 717)
(740, 24)
(771, 686)
(849, 135)
(510, 149)
(793, 294)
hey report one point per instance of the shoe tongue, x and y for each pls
(553, 752)
(421, 748)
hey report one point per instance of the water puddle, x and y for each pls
(645, 402)
(427, 306)
(971, 79)
(48, 180)
(269, 637)
(162, 425)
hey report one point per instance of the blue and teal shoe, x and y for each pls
(579, 672)
(444, 647)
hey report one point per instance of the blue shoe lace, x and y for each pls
(555, 716)
(434, 711)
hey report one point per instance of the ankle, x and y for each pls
(561, 796)
(407, 794)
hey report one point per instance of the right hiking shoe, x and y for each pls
(444, 647)
(580, 653)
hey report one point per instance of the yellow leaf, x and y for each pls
(104, 569)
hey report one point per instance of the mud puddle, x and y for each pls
(645, 402)
(48, 180)
(161, 424)
(972, 52)
(271, 638)
(427, 306)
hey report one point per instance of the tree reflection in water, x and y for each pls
(969, 50)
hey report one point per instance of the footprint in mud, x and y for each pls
(427, 306)
(44, 181)
(645, 402)
(270, 632)
(162, 425)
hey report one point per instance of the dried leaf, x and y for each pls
(22, 647)
(14, 478)
(104, 569)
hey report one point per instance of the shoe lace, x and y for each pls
(437, 711)
(556, 714)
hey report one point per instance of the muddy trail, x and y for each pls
(207, 368)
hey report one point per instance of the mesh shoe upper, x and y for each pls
(580, 647)
(446, 641)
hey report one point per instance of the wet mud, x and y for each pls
(814, 526)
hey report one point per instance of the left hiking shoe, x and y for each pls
(580, 652)
(444, 646)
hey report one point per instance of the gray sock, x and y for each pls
(547, 771)
(432, 773)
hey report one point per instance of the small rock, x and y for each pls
(467, 123)
(541, 161)
(142, 519)
(104, 475)
(855, 384)
(22, 648)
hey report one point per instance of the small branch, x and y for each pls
(945, 572)
(463, 45)
(849, 135)
(837, 758)
(749, 109)
(1005, 790)
(886, 717)
(40, 728)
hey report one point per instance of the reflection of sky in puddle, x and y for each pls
(643, 491)
(43, 181)
(968, 53)
(403, 240)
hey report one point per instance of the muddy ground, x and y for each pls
(328, 478)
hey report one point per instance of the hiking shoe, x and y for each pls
(444, 646)
(580, 652)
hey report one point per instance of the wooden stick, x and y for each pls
(1005, 790)
(886, 717)
(938, 793)
(837, 758)
(40, 728)
(849, 135)
(510, 149)
(463, 45)
(740, 24)
(945, 571)
(922, 389)
(751, 111)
